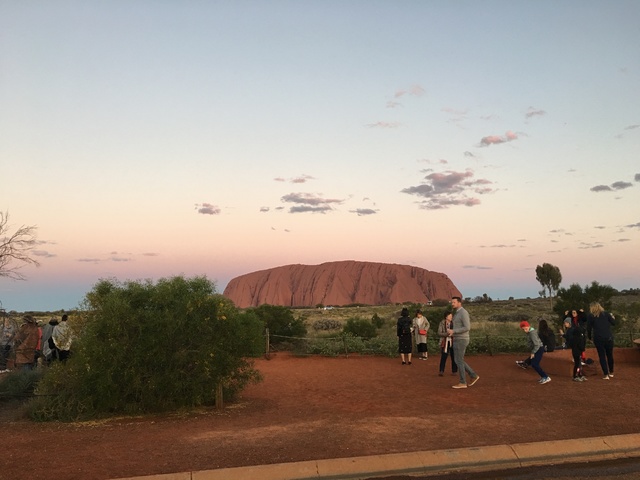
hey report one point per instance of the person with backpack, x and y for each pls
(405, 338)
(599, 324)
(576, 339)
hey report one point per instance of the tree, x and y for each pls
(141, 347)
(15, 248)
(549, 277)
(280, 322)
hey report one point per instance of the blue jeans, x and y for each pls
(605, 353)
(535, 362)
(459, 347)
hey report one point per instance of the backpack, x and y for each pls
(579, 338)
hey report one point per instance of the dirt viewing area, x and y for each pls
(310, 408)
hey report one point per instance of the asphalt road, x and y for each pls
(623, 469)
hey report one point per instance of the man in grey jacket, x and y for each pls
(460, 332)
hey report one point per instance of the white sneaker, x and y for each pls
(545, 380)
(606, 377)
(611, 375)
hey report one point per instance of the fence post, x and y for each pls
(489, 345)
(219, 399)
(266, 348)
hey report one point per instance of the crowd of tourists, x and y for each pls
(30, 345)
(453, 337)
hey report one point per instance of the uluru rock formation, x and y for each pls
(339, 283)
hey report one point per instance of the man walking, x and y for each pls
(460, 332)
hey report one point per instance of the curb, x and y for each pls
(475, 459)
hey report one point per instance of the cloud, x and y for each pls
(627, 128)
(364, 211)
(476, 267)
(584, 245)
(623, 240)
(633, 225)
(469, 154)
(496, 140)
(302, 179)
(89, 260)
(446, 189)
(533, 112)
(637, 177)
(383, 125)
(279, 179)
(150, 254)
(393, 104)
(207, 209)
(43, 253)
(621, 185)
(264, 209)
(413, 90)
(600, 227)
(309, 203)
(497, 246)
(307, 209)
(119, 259)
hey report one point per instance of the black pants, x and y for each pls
(605, 353)
(443, 360)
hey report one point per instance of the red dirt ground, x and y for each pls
(318, 408)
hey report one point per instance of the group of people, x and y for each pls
(25, 346)
(453, 333)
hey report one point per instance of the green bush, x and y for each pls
(280, 322)
(359, 327)
(144, 347)
(19, 384)
(377, 321)
(325, 324)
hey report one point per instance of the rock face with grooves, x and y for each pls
(339, 283)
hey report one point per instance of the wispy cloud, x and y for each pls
(413, 90)
(383, 125)
(619, 185)
(585, 245)
(264, 209)
(364, 211)
(534, 112)
(496, 139)
(446, 189)
(44, 253)
(633, 225)
(208, 209)
(626, 129)
(476, 267)
(307, 202)
(304, 178)
(637, 177)
(497, 246)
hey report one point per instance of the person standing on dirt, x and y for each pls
(405, 338)
(537, 351)
(61, 337)
(459, 330)
(599, 324)
(48, 347)
(446, 344)
(26, 343)
(421, 330)
(576, 339)
(7, 336)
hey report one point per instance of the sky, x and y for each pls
(148, 139)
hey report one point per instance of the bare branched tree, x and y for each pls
(16, 249)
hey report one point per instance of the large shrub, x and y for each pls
(359, 327)
(280, 322)
(145, 347)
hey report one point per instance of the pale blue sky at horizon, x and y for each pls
(478, 139)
